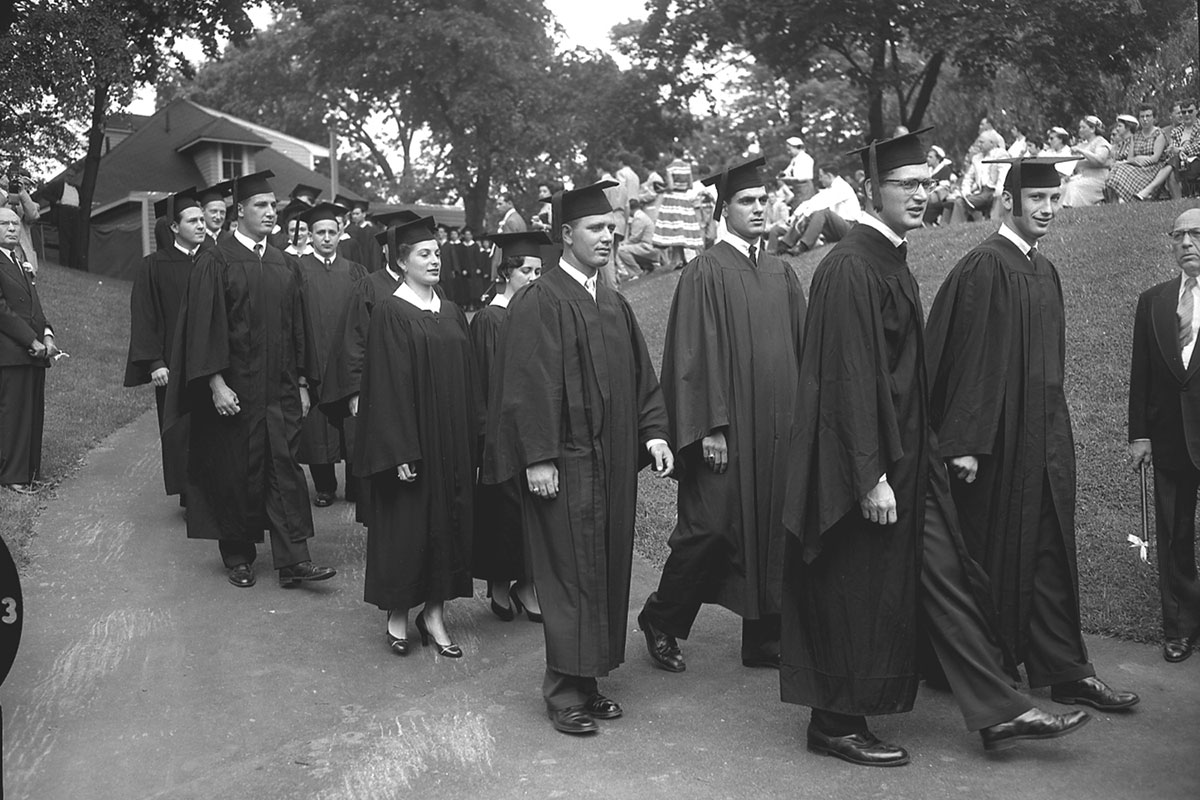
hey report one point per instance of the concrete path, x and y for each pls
(143, 674)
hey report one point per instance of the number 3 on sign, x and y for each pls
(10, 611)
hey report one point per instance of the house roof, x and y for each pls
(317, 151)
(152, 158)
(450, 216)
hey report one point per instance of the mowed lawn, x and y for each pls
(1106, 256)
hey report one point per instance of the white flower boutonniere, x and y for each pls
(29, 271)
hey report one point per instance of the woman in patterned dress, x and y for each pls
(678, 228)
(1146, 147)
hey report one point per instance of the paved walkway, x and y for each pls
(143, 674)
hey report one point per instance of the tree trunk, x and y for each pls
(91, 168)
(928, 82)
(475, 199)
(877, 81)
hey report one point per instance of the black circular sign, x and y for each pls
(12, 611)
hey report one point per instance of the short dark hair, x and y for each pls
(510, 263)
(1147, 107)
(403, 251)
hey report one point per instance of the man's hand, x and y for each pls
(965, 468)
(37, 350)
(353, 405)
(51, 348)
(1139, 451)
(543, 480)
(225, 400)
(305, 402)
(879, 505)
(664, 459)
(716, 451)
(160, 377)
(408, 472)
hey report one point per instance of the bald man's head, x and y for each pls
(10, 228)
(1185, 241)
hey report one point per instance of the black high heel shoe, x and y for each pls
(447, 650)
(505, 614)
(519, 606)
(396, 645)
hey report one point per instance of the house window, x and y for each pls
(232, 161)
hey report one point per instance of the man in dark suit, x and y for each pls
(26, 350)
(1164, 419)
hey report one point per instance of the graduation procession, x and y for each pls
(557, 450)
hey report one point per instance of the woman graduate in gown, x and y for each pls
(419, 417)
(499, 552)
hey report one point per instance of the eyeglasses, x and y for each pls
(1178, 236)
(1188, 111)
(911, 185)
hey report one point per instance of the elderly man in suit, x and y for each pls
(1164, 420)
(26, 349)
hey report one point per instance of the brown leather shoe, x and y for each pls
(864, 749)
(663, 648)
(1033, 724)
(1093, 692)
(1176, 649)
(573, 721)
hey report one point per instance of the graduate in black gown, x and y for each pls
(159, 288)
(498, 554)
(240, 359)
(362, 231)
(575, 411)
(730, 361)
(327, 280)
(876, 559)
(420, 416)
(348, 351)
(997, 340)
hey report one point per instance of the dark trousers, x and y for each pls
(1175, 534)
(68, 233)
(1056, 651)
(959, 633)
(566, 691)
(324, 478)
(823, 222)
(285, 552)
(22, 414)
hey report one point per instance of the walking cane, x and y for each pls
(1143, 543)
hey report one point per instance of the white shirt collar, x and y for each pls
(1015, 238)
(1183, 276)
(247, 242)
(406, 293)
(395, 275)
(872, 221)
(182, 249)
(579, 277)
(737, 242)
(500, 299)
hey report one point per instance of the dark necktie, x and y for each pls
(1187, 308)
(903, 251)
(258, 250)
(753, 255)
(1033, 251)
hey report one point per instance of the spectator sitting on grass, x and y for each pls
(1085, 187)
(1133, 173)
(1182, 156)
(981, 181)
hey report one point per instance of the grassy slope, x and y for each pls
(1106, 256)
(84, 398)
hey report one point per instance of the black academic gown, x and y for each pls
(996, 353)
(498, 553)
(574, 384)
(849, 618)
(159, 288)
(244, 319)
(342, 378)
(419, 401)
(327, 292)
(730, 362)
(349, 249)
(372, 255)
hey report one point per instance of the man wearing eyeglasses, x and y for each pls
(1164, 423)
(1182, 156)
(996, 338)
(875, 561)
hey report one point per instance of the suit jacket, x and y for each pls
(1164, 395)
(21, 316)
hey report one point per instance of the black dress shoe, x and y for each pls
(1033, 724)
(663, 648)
(864, 749)
(304, 571)
(323, 499)
(600, 707)
(1177, 649)
(242, 576)
(503, 613)
(447, 650)
(1093, 692)
(574, 720)
(515, 602)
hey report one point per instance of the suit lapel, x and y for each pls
(1166, 330)
(15, 270)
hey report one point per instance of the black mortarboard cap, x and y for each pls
(252, 184)
(730, 181)
(572, 204)
(345, 202)
(293, 209)
(522, 243)
(323, 211)
(217, 191)
(304, 190)
(1036, 172)
(881, 157)
(172, 204)
(420, 229)
(393, 218)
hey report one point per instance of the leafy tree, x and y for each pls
(71, 63)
